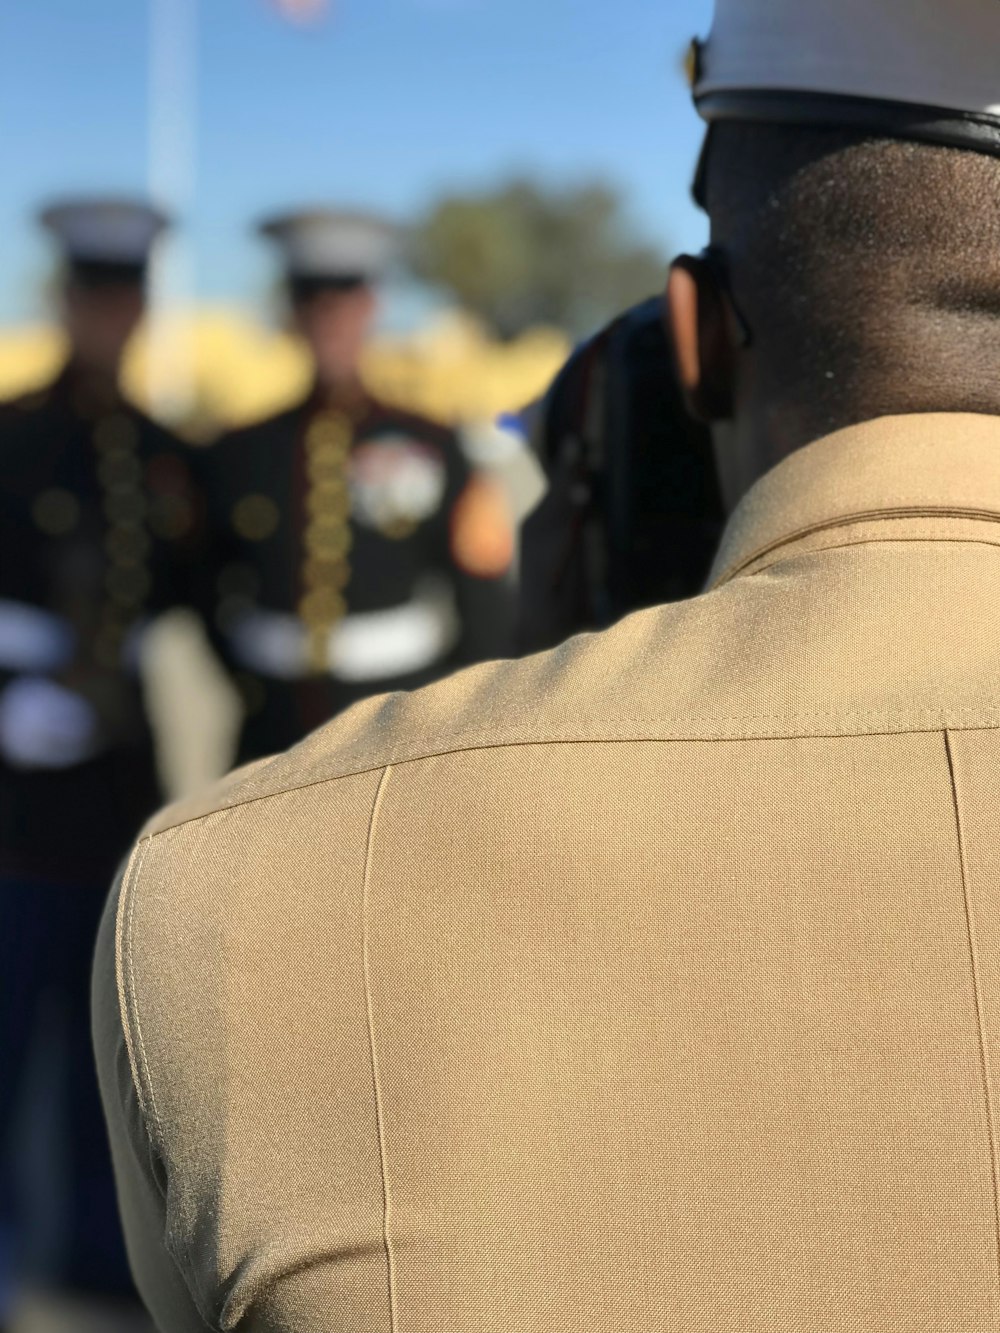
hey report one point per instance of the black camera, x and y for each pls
(634, 512)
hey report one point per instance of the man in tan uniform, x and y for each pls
(653, 983)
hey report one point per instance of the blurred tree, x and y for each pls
(522, 255)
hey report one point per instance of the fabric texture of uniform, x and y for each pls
(650, 983)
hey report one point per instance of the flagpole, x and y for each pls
(172, 167)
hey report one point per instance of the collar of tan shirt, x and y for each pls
(915, 471)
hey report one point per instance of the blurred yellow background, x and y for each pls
(230, 369)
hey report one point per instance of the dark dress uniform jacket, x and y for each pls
(353, 552)
(97, 523)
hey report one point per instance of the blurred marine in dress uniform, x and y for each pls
(97, 519)
(355, 550)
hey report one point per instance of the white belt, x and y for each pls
(33, 641)
(366, 646)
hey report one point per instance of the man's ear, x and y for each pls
(701, 334)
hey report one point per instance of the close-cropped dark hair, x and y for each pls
(867, 268)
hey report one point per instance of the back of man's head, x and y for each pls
(852, 177)
(866, 269)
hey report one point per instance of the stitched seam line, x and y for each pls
(121, 980)
(970, 921)
(138, 1062)
(915, 513)
(376, 1082)
(773, 558)
(141, 1071)
(880, 724)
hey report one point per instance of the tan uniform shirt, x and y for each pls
(651, 984)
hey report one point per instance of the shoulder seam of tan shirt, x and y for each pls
(383, 787)
(984, 1055)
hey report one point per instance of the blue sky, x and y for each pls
(386, 103)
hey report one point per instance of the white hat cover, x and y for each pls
(326, 243)
(925, 69)
(112, 231)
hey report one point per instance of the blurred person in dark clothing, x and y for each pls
(97, 527)
(634, 512)
(355, 549)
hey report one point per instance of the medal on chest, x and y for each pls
(397, 483)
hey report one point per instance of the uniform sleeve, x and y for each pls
(478, 547)
(235, 1060)
(141, 1194)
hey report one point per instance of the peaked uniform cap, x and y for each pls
(105, 231)
(330, 244)
(922, 69)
